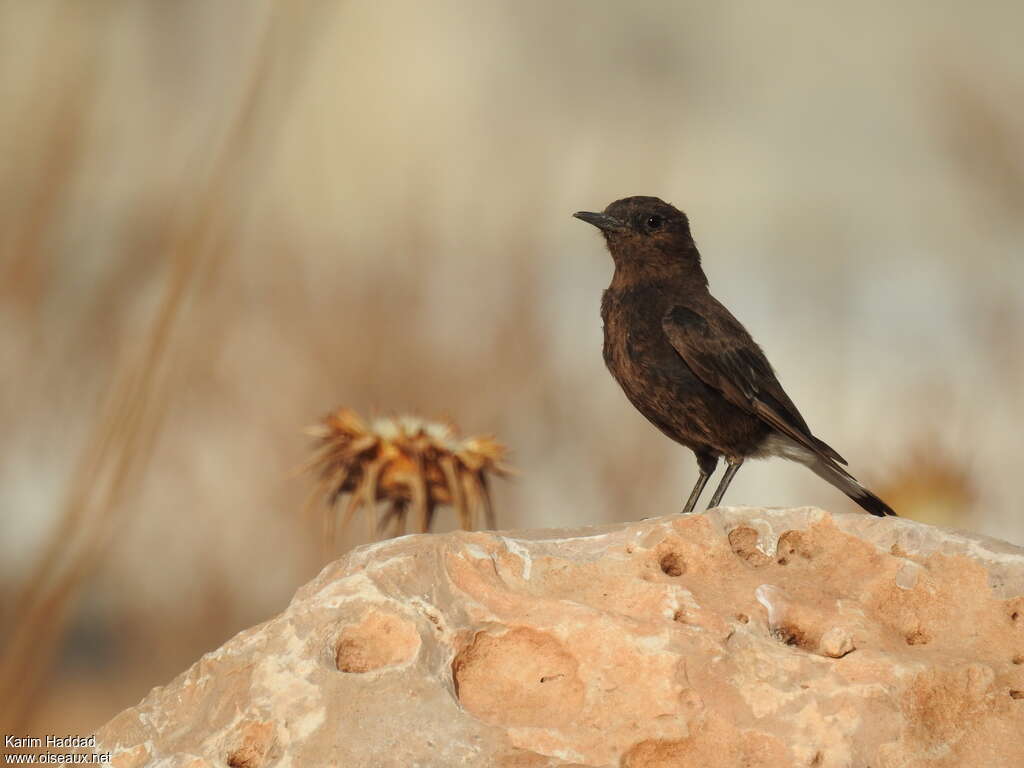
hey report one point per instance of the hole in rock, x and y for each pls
(243, 758)
(379, 640)
(520, 678)
(1014, 694)
(672, 564)
(792, 544)
(252, 744)
(744, 543)
(790, 635)
(917, 637)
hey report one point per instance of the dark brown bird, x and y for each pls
(688, 365)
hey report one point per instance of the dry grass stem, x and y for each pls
(128, 428)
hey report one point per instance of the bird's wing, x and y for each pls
(734, 365)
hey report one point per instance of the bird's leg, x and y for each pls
(726, 479)
(698, 489)
(706, 466)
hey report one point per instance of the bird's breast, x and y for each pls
(636, 350)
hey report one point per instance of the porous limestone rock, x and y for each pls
(761, 638)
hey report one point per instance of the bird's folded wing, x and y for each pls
(734, 365)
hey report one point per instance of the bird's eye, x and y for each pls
(654, 222)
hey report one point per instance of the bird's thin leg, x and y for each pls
(706, 466)
(698, 489)
(722, 486)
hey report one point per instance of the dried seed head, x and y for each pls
(409, 463)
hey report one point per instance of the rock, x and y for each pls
(738, 637)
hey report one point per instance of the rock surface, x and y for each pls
(738, 637)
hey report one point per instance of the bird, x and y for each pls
(688, 365)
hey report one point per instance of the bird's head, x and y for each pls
(646, 234)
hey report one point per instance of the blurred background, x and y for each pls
(219, 220)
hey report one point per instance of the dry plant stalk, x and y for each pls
(409, 463)
(124, 436)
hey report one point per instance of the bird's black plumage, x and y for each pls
(688, 365)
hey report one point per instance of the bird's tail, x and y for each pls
(847, 483)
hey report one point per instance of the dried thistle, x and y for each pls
(931, 485)
(409, 463)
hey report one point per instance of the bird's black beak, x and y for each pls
(602, 221)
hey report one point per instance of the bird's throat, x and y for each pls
(676, 278)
